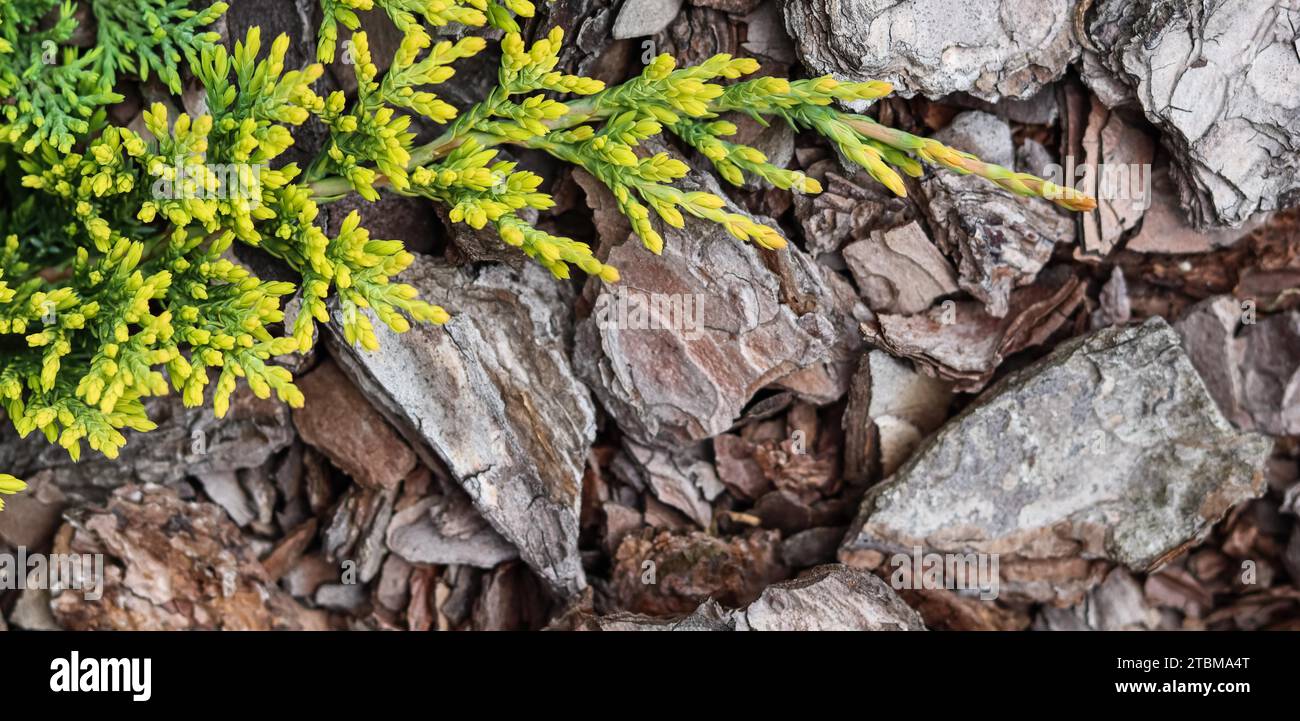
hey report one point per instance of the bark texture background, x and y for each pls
(1108, 404)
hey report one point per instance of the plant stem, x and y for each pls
(327, 190)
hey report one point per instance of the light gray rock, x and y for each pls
(1218, 78)
(346, 597)
(1000, 241)
(765, 34)
(1109, 448)
(905, 407)
(491, 395)
(1114, 305)
(224, 489)
(1033, 158)
(641, 18)
(982, 133)
(988, 48)
(32, 611)
(891, 408)
(678, 347)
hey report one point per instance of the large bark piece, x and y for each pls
(963, 343)
(492, 396)
(1218, 78)
(680, 345)
(900, 270)
(338, 420)
(1000, 241)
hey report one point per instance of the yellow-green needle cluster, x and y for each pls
(118, 276)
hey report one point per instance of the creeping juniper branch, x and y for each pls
(115, 279)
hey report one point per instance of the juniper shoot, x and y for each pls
(115, 283)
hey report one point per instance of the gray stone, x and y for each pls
(1114, 305)
(905, 407)
(1109, 448)
(988, 48)
(346, 597)
(224, 489)
(492, 396)
(640, 18)
(1218, 78)
(984, 134)
(765, 34)
(891, 408)
(1033, 158)
(32, 611)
